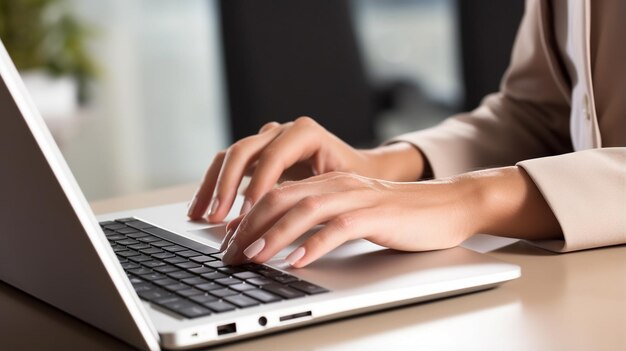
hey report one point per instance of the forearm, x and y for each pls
(506, 202)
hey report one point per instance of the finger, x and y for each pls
(306, 214)
(231, 227)
(202, 197)
(295, 144)
(269, 126)
(349, 226)
(237, 159)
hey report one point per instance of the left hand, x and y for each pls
(404, 216)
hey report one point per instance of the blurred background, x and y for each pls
(140, 94)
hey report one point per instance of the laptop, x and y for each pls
(155, 279)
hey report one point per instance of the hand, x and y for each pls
(294, 150)
(402, 216)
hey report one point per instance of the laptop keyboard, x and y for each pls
(190, 279)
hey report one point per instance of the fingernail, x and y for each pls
(226, 239)
(192, 206)
(214, 205)
(230, 252)
(254, 248)
(245, 208)
(295, 256)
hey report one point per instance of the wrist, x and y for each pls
(396, 162)
(507, 203)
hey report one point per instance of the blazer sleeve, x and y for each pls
(527, 123)
(586, 191)
(528, 118)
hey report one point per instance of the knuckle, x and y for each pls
(273, 198)
(305, 121)
(310, 204)
(343, 222)
(268, 126)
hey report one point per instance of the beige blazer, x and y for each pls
(560, 114)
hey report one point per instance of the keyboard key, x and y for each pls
(220, 306)
(260, 281)
(139, 225)
(188, 253)
(246, 275)
(137, 235)
(242, 287)
(142, 287)
(140, 258)
(283, 291)
(105, 223)
(215, 264)
(194, 311)
(308, 288)
(166, 268)
(194, 281)
(155, 294)
(175, 260)
(201, 259)
(285, 279)
(114, 226)
(140, 246)
(166, 281)
(117, 237)
(161, 243)
(228, 281)
(201, 270)
(214, 275)
(188, 265)
(135, 280)
(153, 276)
(176, 287)
(152, 264)
(130, 265)
(126, 230)
(140, 271)
(118, 248)
(148, 239)
(189, 292)
(180, 275)
(151, 251)
(163, 255)
(230, 270)
(125, 220)
(127, 242)
(209, 286)
(241, 301)
(174, 248)
(127, 253)
(222, 292)
(186, 308)
(203, 298)
(262, 296)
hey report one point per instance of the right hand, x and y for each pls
(289, 151)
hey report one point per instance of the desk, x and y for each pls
(573, 301)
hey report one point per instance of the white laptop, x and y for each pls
(155, 280)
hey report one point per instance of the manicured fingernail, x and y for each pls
(254, 248)
(230, 252)
(192, 206)
(295, 256)
(226, 239)
(245, 208)
(214, 205)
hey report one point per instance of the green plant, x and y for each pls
(43, 34)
